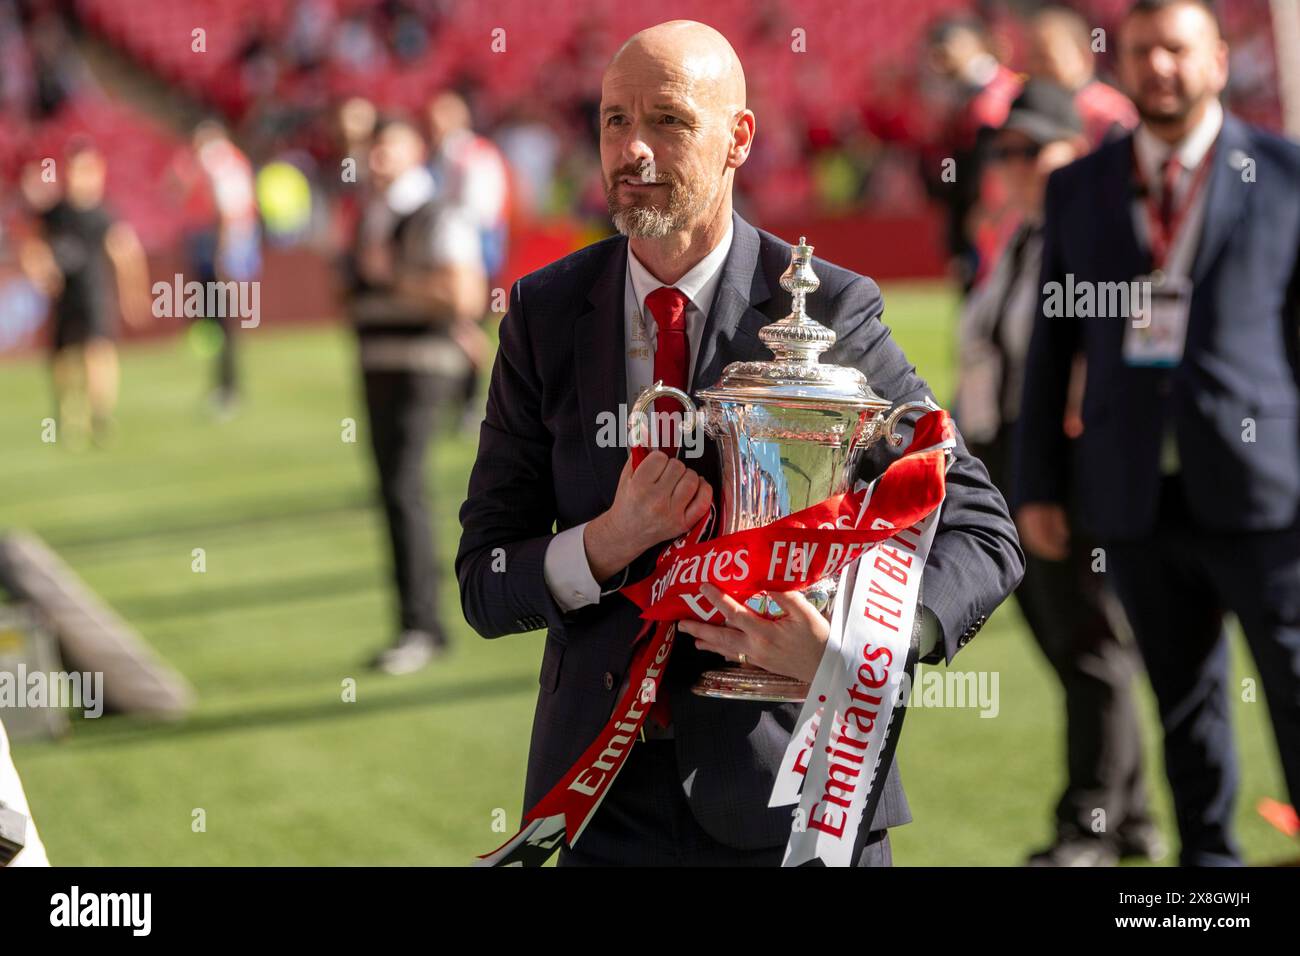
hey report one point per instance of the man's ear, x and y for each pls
(1221, 59)
(742, 139)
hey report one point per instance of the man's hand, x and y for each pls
(131, 270)
(656, 502)
(1044, 530)
(473, 341)
(791, 645)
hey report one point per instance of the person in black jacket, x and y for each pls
(556, 520)
(92, 266)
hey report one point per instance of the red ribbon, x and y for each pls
(911, 487)
(795, 551)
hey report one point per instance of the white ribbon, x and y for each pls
(833, 766)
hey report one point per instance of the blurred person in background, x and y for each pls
(533, 151)
(1060, 50)
(226, 245)
(57, 68)
(1070, 614)
(1188, 467)
(960, 53)
(470, 173)
(81, 256)
(415, 271)
(355, 121)
(353, 133)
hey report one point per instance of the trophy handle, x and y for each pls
(637, 426)
(890, 424)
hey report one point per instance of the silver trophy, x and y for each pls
(790, 433)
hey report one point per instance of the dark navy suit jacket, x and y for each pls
(561, 363)
(1238, 374)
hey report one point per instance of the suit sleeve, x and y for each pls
(509, 513)
(976, 560)
(1041, 459)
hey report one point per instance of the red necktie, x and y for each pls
(672, 367)
(667, 306)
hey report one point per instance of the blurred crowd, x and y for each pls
(275, 73)
(414, 198)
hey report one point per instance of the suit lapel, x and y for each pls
(1121, 180)
(600, 351)
(1226, 201)
(600, 355)
(743, 286)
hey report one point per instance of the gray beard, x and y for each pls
(645, 222)
(652, 222)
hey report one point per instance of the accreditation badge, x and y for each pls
(1157, 332)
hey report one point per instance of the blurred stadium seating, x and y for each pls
(841, 128)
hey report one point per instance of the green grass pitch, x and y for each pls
(424, 769)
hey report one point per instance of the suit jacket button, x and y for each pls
(609, 680)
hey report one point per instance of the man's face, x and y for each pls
(86, 174)
(1055, 55)
(950, 58)
(1024, 165)
(664, 144)
(356, 120)
(1171, 61)
(397, 149)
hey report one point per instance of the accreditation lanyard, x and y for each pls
(1161, 239)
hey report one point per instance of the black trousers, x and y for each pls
(1176, 585)
(403, 408)
(645, 820)
(1074, 619)
(227, 370)
(203, 255)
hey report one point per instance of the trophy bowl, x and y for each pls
(790, 432)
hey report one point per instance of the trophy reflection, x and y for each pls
(790, 432)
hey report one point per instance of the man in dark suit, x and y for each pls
(1071, 614)
(575, 347)
(1189, 462)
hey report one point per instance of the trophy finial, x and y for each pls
(797, 339)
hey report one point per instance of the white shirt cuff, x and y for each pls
(567, 573)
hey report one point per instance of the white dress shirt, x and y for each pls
(1152, 154)
(565, 567)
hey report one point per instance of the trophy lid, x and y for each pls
(796, 376)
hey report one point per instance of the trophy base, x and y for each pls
(750, 683)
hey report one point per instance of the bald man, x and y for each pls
(556, 520)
